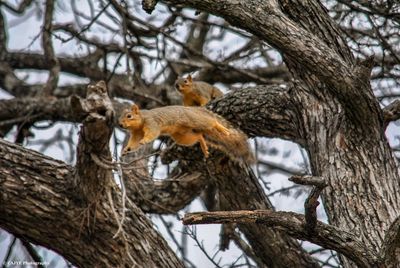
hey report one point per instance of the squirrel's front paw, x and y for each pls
(142, 142)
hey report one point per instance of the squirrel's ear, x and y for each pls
(135, 109)
(189, 78)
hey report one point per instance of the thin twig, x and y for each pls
(9, 251)
(192, 232)
(33, 253)
(49, 54)
(110, 200)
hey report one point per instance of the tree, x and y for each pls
(320, 96)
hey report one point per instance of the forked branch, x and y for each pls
(311, 204)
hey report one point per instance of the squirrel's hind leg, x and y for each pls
(189, 138)
(203, 145)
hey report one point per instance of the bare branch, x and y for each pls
(86, 66)
(21, 7)
(240, 243)
(49, 50)
(391, 112)
(85, 28)
(3, 35)
(308, 180)
(324, 235)
(311, 203)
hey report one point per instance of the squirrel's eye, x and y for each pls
(186, 81)
(129, 116)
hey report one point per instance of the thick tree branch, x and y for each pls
(85, 66)
(263, 111)
(274, 74)
(34, 109)
(325, 235)
(166, 196)
(19, 110)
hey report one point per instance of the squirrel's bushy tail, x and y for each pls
(231, 141)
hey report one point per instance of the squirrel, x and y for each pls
(186, 126)
(196, 93)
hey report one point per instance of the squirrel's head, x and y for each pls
(131, 118)
(184, 85)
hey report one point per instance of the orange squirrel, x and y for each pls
(196, 93)
(186, 126)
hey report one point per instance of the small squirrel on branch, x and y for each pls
(186, 126)
(196, 93)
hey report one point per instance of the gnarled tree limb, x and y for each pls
(325, 235)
